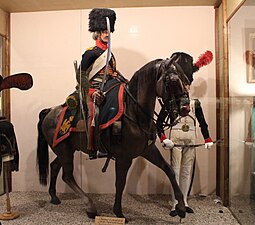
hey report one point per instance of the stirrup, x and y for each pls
(102, 154)
(93, 155)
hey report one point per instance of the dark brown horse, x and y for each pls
(138, 133)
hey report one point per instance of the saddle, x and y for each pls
(75, 119)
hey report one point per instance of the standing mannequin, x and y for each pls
(182, 158)
(184, 132)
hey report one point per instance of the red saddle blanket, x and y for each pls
(110, 111)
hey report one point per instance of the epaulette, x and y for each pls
(90, 48)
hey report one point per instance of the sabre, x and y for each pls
(108, 52)
(96, 108)
(197, 145)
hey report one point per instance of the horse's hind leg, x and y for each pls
(70, 181)
(54, 171)
(153, 155)
(121, 169)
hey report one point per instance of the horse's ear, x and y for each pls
(160, 87)
(169, 61)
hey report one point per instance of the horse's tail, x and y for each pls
(42, 150)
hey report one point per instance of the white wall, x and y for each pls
(45, 45)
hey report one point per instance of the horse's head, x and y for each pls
(176, 78)
(173, 87)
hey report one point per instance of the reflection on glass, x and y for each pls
(1, 70)
(242, 113)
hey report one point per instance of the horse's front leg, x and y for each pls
(54, 171)
(122, 166)
(154, 156)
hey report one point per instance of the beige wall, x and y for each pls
(45, 45)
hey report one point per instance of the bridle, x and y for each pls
(173, 76)
(167, 75)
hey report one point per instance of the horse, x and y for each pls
(157, 78)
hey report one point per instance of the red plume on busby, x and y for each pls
(97, 19)
(203, 60)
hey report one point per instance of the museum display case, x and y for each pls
(241, 48)
(46, 44)
(1, 70)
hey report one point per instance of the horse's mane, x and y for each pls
(146, 73)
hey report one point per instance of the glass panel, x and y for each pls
(1, 71)
(242, 113)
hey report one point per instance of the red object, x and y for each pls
(22, 81)
(204, 59)
(207, 140)
(91, 92)
(163, 137)
(101, 45)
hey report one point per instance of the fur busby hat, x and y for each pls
(97, 19)
(186, 62)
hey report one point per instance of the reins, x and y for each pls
(166, 125)
(158, 65)
(135, 101)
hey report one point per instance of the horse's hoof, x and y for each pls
(181, 213)
(120, 215)
(92, 215)
(173, 213)
(189, 210)
(126, 220)
(55, 201)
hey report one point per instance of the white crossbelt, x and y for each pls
(98, 65)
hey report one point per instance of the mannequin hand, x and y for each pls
(208, 143)
(98, 97)
(167, 144)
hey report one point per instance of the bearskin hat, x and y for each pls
(97, 19)
(186, 63)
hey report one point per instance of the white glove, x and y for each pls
(167, 144)
(98, 97)
(208, 145)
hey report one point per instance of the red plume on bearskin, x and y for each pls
(204, 59)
